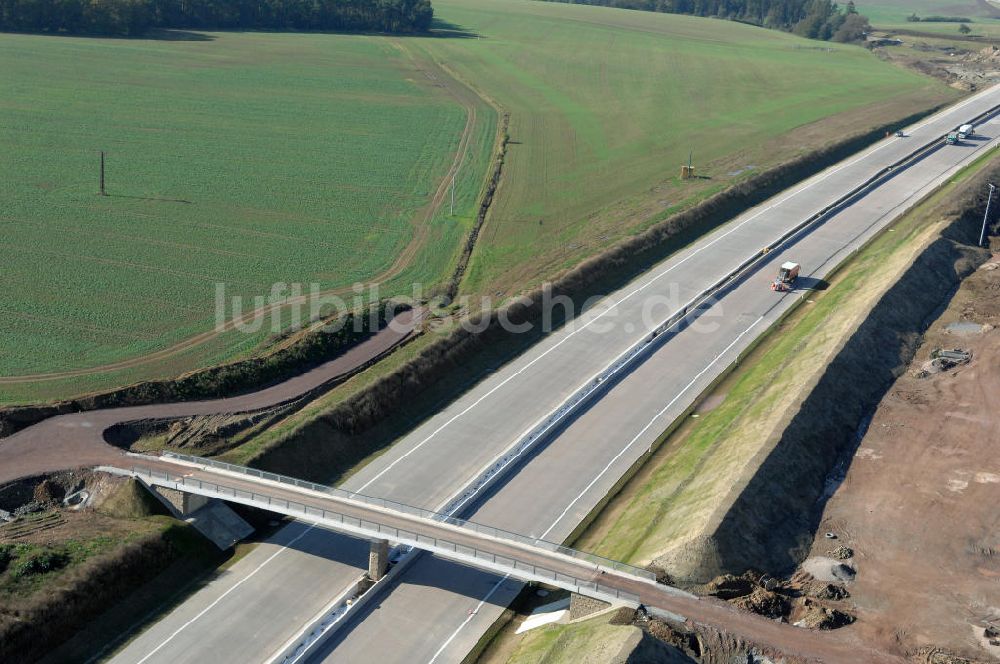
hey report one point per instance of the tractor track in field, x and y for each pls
(464, 95)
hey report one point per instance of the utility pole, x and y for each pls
(982, 234)
(103, 193)
(452, 196)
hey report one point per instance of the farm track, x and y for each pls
(77, 439)
(438, 77)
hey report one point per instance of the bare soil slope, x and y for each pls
(919, 505)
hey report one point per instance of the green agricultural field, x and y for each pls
(891, 14)
(246, 159)
(253, 158)
(607, 104)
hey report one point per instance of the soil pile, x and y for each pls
(814, 615)
(802, 600)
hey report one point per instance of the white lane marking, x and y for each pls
(223, 595)
(472, 614)
(497, 585)
(816, 179)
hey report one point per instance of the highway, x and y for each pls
(445, 609)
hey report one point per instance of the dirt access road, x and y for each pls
(77, 440)
(919, 504)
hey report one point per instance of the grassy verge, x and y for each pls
(588, 641)
(101, 577)
(673, 499)
(30, 568)
(256, 444)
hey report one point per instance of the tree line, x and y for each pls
(137, 17)
(913, 18)
(815, 19)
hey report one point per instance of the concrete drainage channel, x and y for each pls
(338, 612)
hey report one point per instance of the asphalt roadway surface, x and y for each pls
(440, 609)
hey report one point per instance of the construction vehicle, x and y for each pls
(787, 274)
(966, 130)
(952, 138)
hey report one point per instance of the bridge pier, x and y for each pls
(378, 559)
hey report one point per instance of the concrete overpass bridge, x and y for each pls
(383, 521)
(529, 559)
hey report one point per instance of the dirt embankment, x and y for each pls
(205, 435)
(328, 445)
(772, 522)
(967, 63)
(61, 567)
(918, 502)
(288, 356)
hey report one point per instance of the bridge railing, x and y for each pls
(496, 533)
(369, 528)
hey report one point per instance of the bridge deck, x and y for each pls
(482, 546)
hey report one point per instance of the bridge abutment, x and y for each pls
(183, 503)
(581, 605)
(209, 516)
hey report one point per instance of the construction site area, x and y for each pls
(917, 508)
